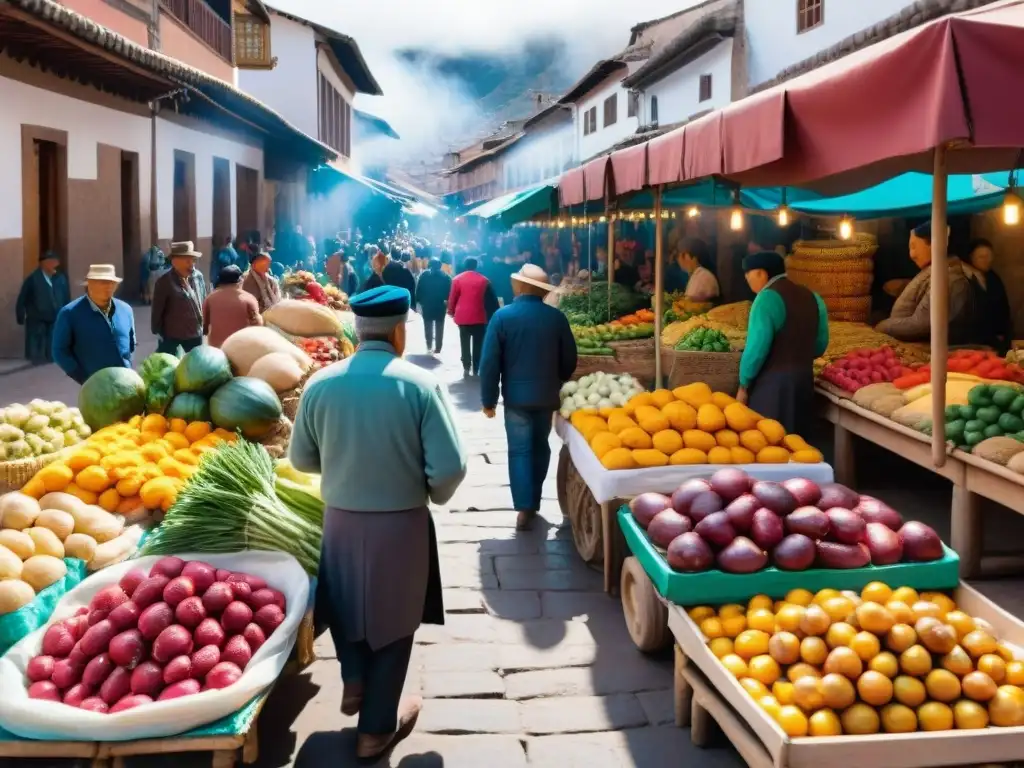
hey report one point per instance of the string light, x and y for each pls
(602, 219)
(692, 212)
(1012, 209)
(736, 219)
(783, 213)
(845, 228)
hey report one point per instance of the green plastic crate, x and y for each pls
(717, 587)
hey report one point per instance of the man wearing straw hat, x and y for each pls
(530, 351)
(96, 330)
(178, 298)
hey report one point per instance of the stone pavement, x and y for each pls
(534, 666)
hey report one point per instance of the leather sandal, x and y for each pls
(370, 746)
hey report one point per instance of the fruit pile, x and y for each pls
(323, 350)
(739, 525)
(991, 411)
(185, 627)
(597, 391)
(704, 340)
(593, 340)
(884, 660)
(861, 367)
(687, 425)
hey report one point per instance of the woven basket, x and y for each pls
(860, 246)
(833, 284)
(588, 364)
(825, 265)
(719, 370)
(635, 357)
(849, 317)
(14, 474)
(847, 303)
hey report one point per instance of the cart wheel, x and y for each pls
(585, 517)
(561, 478)
(646, 616)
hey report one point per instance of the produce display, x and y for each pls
(673, 333)
(38, 429)
(599, 303)
(303, 318)
(990, 411)
(704, 340)
(737, 524)
(125, 468)
(324, 350)
(844, 337)
(687, 425)
(594, 340)
(882, 661)
(319, 289)
(178, 630)
(861, 367)
(596, 391)
(681, 308)
(236, 500)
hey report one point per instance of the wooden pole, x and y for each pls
(939, 305)
(611, 261)
(659, 285)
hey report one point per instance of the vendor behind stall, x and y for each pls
(701, 284)
(994, 324)
(788, 328)
(911, 314)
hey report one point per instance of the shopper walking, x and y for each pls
(529, 352)
(467, 304)
(95, 330)
(177, 317)
(432, 293)
(397, 273)
(261, 283)
(377, 491)
(41, 297)
(229, 308)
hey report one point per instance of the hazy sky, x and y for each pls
(426, 112)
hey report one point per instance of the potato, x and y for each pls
(46, 542)
(17, 510)
(15, 594)
(10, 564)
(62, 501)
(19, 542)
(40, 571)
(57, 520)
(80, 545)
(99, 524)
(117, 549)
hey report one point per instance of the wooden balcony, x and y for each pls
(205, 23)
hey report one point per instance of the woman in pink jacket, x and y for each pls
(467, 304)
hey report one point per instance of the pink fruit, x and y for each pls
(83, 611)
(269, 617)
(177, 690)
(241, 590)
(131, 580)
(131, 701)
(237, 651)
(167, 566)
(173, 641)
(209, 632)
(117, 685)
(95, 704)
(217, 597)
(267, 596)
(97, 670)
(190, 612)
(150, 591)
(78, 625)
(237, 615)
(97, 638)
(202, 575)
(203, 660)
(125, 616)
(221, 676)
(179, 668)
(77, 694)
(78, 657)
(178, 589)
(44, 690)
(58, 641)
(147, 679)
(66, 674)
(254, 636)
(223, 574)
(155, 619)
(255, 582)
(108, 598)
(39, 669)
(127, 649)
(95, 617)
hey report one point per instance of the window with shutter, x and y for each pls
(654, 110)
(705, 88)
(633, 105)
(611, 110)
(809, 14)
(252, 42)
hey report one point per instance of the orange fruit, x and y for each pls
(825, 594)
(923, 608)
(824, 722)
(900, 612)
(983, 626)
(712, 628)
(736, 666)
(1015, 673)
(801, 597)
(935, 716)
(782, 690)
(865, 645)
(898, 718)
(751, 643)
(839, 633)
(993, 666)
(701, 612)
(874, 688)
(1006, 709)
(838, 608)
(788, 617)
(916, 661)
(799, 670)
(969, 715)
(957, 661)
(770, 705)
(909, 690)
(807, 694)
(978, 686)
(731, 609)
(784, 647)
(1005, 652)
(837, 691)
(844, 661)
(945, 602)
(765, 669)
(942, 685)
(900, 637)
(721, 646)
(852, 596)
(755, 688)
(961, 622)
(860, 720)
(940, 638)
(762, 619)
(792, 721)
(733, 625)
(815, 621)
(813, 650)
(875, 618)
(885, 663)
(778, 606)
(876, 592)
(979, 642)
(906, 595)
(760, 602)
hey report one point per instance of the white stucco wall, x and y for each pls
(678, 93)
(537, 158)
(86, 125)
(171, 136)
(603, 137)
(772, 40)
(290, 88)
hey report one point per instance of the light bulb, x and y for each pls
(845, 228)
(783, 216)
(736, 219)
(664, 214)
(602, 219)
(693, 212)
(561, 224)
(1011, 210)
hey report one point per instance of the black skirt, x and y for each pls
(787, 397)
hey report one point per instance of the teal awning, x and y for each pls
(325, 179)
(516, 206)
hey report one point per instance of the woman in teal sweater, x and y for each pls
(788, 328)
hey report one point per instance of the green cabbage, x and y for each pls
(158, 375)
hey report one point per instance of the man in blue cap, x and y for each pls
(381, 464)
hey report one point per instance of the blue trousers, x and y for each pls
(529, 455)
(382, 674)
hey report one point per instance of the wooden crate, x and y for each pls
(715, 695)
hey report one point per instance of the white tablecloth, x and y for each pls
(607, 485)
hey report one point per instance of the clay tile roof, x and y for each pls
(206, 87)
(638, 29)
(913, 15)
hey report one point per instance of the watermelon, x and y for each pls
(190, 407)
(246, 404)
(111, 395)
(158, 374)
(202, 370)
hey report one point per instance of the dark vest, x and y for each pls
(793, 346)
